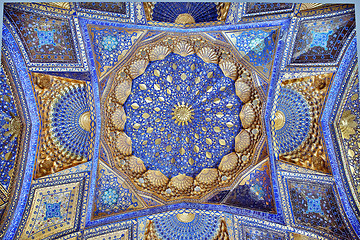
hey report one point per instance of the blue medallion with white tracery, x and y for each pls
(203, 226)
(294, 111)
(65, 126)
(182, 115)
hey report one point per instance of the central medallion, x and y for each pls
(182, 113)
(183, 118)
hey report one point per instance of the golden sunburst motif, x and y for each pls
(184, 18)
(182, 113)
(347, 124)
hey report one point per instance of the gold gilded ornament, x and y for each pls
(184, 18)
(228, 162)
(122, 91)
(119, 118)
(142, 86)
(157, 73)
(157, 87)
(138, 67)
(229, 69)
(181, 182)
(243, 91)
(159, 53)
(136, 165)
(208, 55)
(247, 116)
(185, 217)
(242, 141)
(229, 124)
(182, 113)
(135, 106)
(156, 178)
(184, 49)
(85, 120)
(279, 120)
(347, 124)
(123, 144)
(207, 176)
(14, 127)
(42, 81)
(217, 129)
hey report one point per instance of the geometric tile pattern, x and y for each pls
(314, 206)
(217, 36)
(296, 121)
(321, 40)
(346, 117)
(169, 12)
(69, 123)
(46, 39)
(197, 153)
(262, 8)
(256, 46)
(255, 191)
(151, 34)
(111, 45)
(106, 6)
(113, 195)
(253, 233)
(186, 224)
(53, 208)
(117, 231)
(48, 197)
(10, 130)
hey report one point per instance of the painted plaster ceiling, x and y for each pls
(131, 120)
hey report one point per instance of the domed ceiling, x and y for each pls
(130, 120)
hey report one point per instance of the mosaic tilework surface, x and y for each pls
(151, 34)
(256, 46)
(168, 12)
(113, 195)
(253, 196)
(297, 106)
(186, 224)
(321, 40)
(346, 130)
(182, 147)
(69, 124)
(314, 205)
(46, 39)
(10, 130)
(258, 8)
(254, 191)
(296, 110)
(54, 208)
(252, 233)
(110, 45)
(105, 6)
(136, 105)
